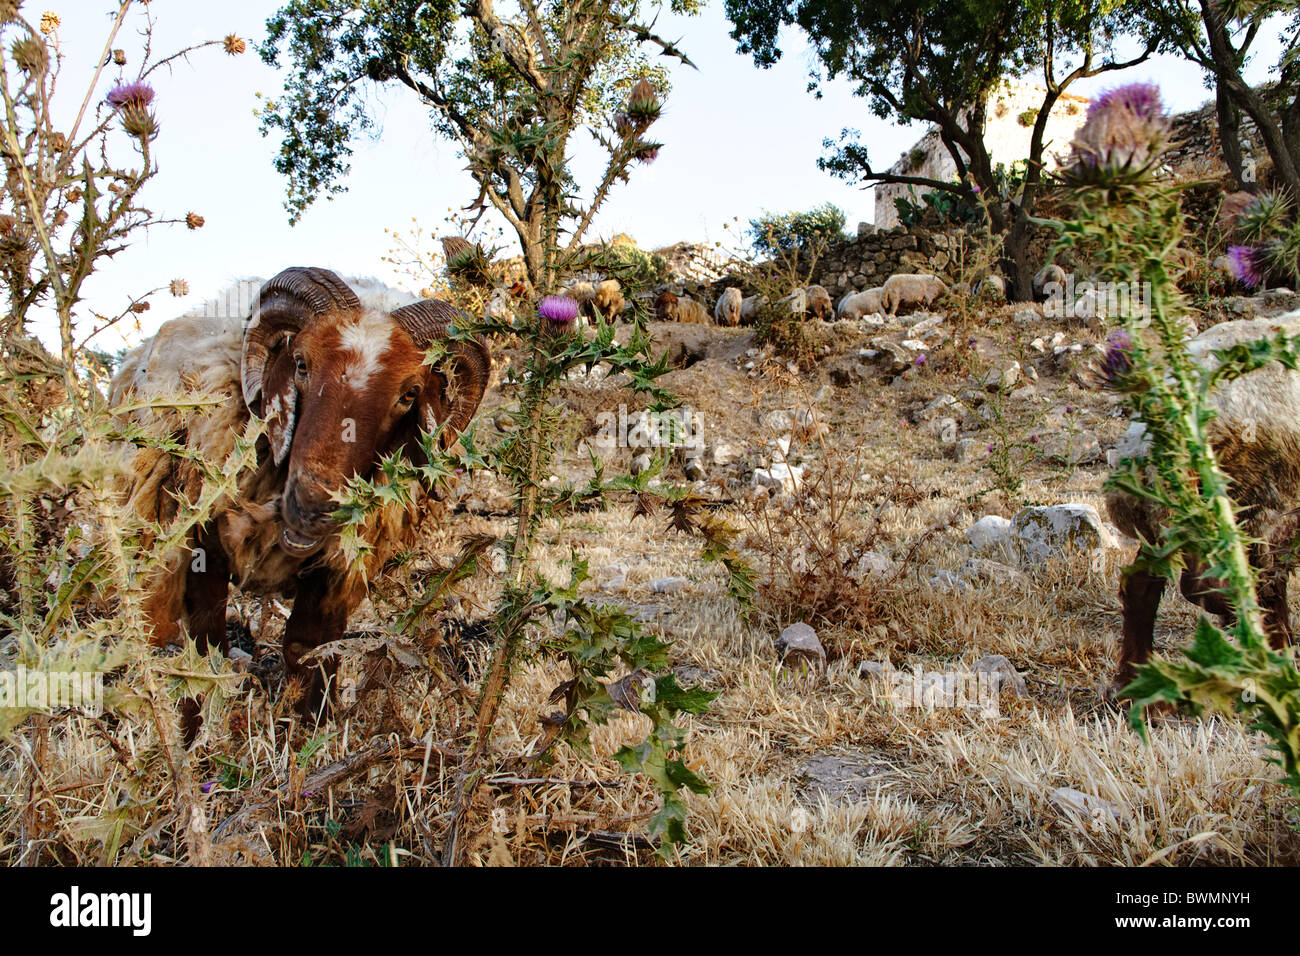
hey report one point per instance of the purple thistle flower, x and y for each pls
(648, 155)
(920, 360)
(990, 449)
(1246, 265)
(559, 309)
(1118, 361)
(207, 787)
(1126, 131)
(130, 96)
(1143, 99)
(623, 125)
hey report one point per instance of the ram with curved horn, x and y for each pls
(339, 385)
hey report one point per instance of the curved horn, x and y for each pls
(287, 302)
(428, 321)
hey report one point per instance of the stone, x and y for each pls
(1009, 679)
(639, 464)
(777, 420)
(946, 582)
(667, 585)
(1023, 394)
(798, 643)
(992, 534)
(934, 407)
(785, 477)
(726, 453)
(967, 450)
(1002, 378)
(1027, 317)
(694, 469)
(612, 577)
(1051, 531)
(873, 564)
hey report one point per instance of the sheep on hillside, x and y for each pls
(910, 290)
(857, 304)
(727, 310)
(670, 307)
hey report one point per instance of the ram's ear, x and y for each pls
(280, 402)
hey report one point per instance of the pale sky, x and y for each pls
(738, 141)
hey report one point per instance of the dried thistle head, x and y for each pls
(119, 57)
(30, 54)
(58, 142)
(193, 220)
(179, 288)
(49, 22)
(233, 45)
(139, 307)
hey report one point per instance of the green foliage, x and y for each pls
(599, 641)
(773, 233)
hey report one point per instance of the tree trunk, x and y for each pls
(1230, 138)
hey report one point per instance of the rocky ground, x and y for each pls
(921, 678)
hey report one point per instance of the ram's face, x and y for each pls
(359, 382)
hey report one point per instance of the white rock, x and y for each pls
(992, 534)
(612, 577)
(786, 477)
(1046, 531)
(873, 563)
(727, 453)
(667, 585)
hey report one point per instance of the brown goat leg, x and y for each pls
(207, 585)
(1206, 593)
(1139, 598)
(319, 615)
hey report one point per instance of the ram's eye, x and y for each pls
(411, 395)
(302, 365)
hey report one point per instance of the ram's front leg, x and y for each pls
(320, 615)
(207, 586)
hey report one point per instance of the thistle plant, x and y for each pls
(1130, 213)
(1269, 231)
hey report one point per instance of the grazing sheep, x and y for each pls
(608, 299)
(1048, 282)
(675, 308)
(750, 307)
(857, 304)
(340, 385)
(819, 303)
(910, 289)
(1256, 436)
(727, 310)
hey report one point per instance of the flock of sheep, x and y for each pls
(732, 308)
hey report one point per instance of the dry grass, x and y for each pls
(809, 768)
